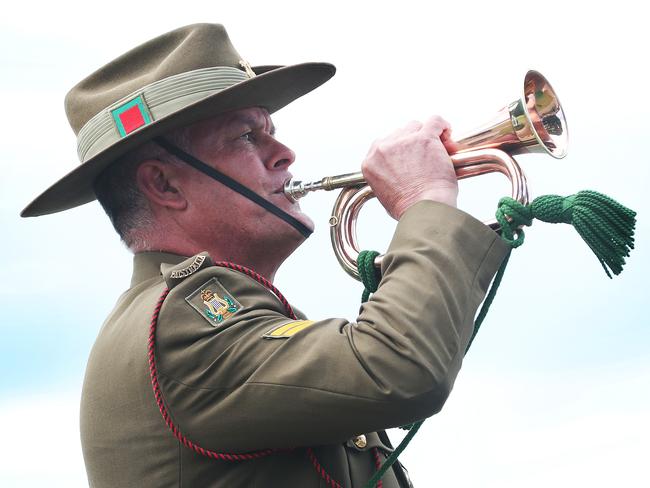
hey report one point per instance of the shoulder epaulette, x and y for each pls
(175, 274)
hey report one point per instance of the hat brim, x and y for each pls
(272, 88)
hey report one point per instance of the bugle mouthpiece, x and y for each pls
(295, 190)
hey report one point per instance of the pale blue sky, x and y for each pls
(555, 388)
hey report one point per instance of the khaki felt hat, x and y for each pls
(179, 78)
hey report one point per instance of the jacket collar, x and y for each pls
(146, 265)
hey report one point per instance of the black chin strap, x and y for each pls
(233, 185)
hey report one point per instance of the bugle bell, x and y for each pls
(534, 123)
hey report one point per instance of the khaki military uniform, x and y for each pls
(238, 375)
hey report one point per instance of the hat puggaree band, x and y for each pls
(159, 99)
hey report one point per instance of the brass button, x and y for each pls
(360, 441)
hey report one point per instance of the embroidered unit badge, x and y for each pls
(218, 309)
(131, 116)
(214, 302)
(287, 330)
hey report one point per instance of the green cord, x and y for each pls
(370, 276)
(489, 298)
(372, 483)
(603, 223)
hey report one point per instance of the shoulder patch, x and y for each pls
(175, 274)
(287, 330)
(214, 302)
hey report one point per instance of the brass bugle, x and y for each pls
(534, 123)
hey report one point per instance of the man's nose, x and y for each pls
(280, 156)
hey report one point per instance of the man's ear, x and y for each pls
(158, 181)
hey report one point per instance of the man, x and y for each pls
(203, 375)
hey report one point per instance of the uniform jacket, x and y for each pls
(238, 375)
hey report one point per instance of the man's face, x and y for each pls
(242, 145)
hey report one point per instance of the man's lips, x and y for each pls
(280, 197)
(281, 188)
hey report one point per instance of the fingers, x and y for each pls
(409, 128)
(412, 126)
(436, 126)
(410, 165)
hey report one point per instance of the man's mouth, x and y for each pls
(280, 190)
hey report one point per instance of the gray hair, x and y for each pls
(118, 193)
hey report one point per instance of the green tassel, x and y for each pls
(604, 224)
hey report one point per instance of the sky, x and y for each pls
(555, 390)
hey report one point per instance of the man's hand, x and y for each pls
(411, 165)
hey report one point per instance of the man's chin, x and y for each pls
(305, 220)
(293, 209)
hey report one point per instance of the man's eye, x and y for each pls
(248, 136)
